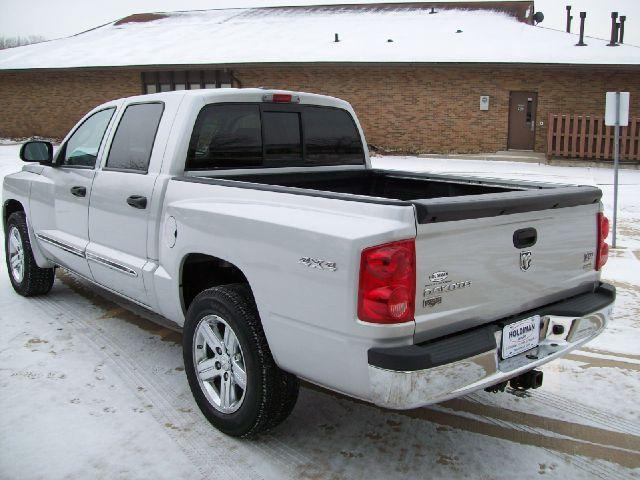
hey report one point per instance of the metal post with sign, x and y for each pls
(616, 116)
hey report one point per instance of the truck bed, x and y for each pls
(376, 183)
(436, 198)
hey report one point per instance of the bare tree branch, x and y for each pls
(10, 42)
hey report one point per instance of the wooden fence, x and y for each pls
(586, 136)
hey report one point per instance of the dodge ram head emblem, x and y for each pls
(525, 260)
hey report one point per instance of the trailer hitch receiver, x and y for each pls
(530, 379)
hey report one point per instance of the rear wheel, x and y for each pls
(220, 364)
(26, 277)
(230, 369)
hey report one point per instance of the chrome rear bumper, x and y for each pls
(400, 388)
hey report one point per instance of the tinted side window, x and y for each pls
(226, 136)
(282, 139)
(133, 142)
(331, 137)
(82, 147)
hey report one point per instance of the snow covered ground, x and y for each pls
(91, 389)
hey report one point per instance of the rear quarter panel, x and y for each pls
(309, 315)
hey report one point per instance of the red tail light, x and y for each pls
(387, 288)
(602, 252)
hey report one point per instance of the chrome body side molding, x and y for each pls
(117, 294)
(110, 264)
(89, 256)
(62, 245)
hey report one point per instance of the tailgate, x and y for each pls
(470, 272)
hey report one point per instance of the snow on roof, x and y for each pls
(391, 33)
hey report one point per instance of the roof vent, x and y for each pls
(581, 43)
(458, 31)
(433, 10)
(569, 18)
(621, 29)
(336, 38)
(614, 30)
(389, 40)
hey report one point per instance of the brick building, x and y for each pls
(423, 77)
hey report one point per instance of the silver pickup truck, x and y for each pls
(253, 220)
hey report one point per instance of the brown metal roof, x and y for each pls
(520, 9)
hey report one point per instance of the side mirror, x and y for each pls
(37, 151)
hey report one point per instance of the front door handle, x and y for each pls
(79, 191)
(137, 201)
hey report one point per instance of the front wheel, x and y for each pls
(230, 369)
(26, 277)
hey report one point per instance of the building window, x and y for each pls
(153, 82)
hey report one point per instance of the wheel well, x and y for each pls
(9, 207)
(200, 271)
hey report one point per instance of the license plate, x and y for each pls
(520, 336)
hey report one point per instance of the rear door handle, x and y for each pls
(137, 201)
(79, 191)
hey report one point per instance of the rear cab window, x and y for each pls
(226, 136)
(331, 137)
(246, 135)
(282, 138)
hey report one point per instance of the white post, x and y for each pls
(616, 116)
(616, 161)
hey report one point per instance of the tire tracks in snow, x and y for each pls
(192, 428)
(146, 391)
(213, 453)
(573, 407)
(269, 445)
(601, 464)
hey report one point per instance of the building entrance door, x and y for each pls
(522, 120)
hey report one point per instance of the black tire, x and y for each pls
(270, 394)
(35, 280)
(289, 388)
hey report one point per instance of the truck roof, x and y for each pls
(215, 95)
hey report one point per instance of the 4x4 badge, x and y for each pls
(525, 260)
(318, 264)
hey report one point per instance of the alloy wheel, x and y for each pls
(219, 363)
(16, 255)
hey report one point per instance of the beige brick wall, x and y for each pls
(413, 109)
(50, 103)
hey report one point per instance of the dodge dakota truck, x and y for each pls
(254, 221)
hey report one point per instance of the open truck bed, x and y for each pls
(436, 198)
